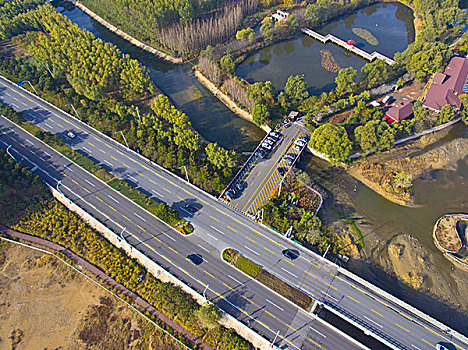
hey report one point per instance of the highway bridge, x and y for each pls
(217, 227)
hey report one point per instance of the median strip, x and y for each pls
(269, 280)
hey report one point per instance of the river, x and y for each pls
(210, 117)
(390, 23)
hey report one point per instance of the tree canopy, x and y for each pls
(332, 140)
(296, 88)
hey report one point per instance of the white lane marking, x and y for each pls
(203, 248)
(316, 331)
(235, 279)
(29, 141)
(253, 251)
(212, 236)
(48, 126)
(329, 296)
(90, 183)
(168, 236)
(214, 228)
(68, 168)
(47, 154)
(105, 161)
(157, 193)
(414, 346)
(368, 319)
(272, 303)
(87, 150)
(139, 217)
(14, 105)
(115, 200)
(289, 272)
(131, 177)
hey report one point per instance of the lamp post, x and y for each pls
(139, 116)
(74, 110)
(204, 295)
(27, 81)
(121, 234)
(276, 336)
(121, 132)
(186, 173)
(47, 66)
(11, 155)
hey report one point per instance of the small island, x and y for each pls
(366, 35)
(450, 236)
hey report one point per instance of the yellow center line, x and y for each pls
(156, 238)
(222, 212)
(336, 277)
(75, 182)
(126, 165)
(152, 181)
(126, 217)
(402, 327)
(141, 228)
(150, 247)
(109, 218)
(250, 301)
(166, 258)
(237, 221)
(175, 251)
(201, 200)
(214, 218)
(138, 173)
(181, 199)
(315, 343)
(184, 270)
(310, 262)
(187, 192)
(330, 285)
(289, 262)
(427, 342)
(173, 184)
(119, 225)
(250, 239)
(86, 190)
(144, 167)
(382, 302)
(159, 176)
(92, 205)
(274, 242)
(165, 189)
(89, 143)
(209, 274)
(102, 150)
(94, 137)
(376, 312)
(229, 227)
(255, 231)
(203, 284)
(134, 161)
(60, 125)
(295, 330)
(119, 152)
(431, 331)
(359, 289)
(405, 316)
(263, 324)
(114, 158)
(268, 250)
(110, 206)
(227, 286)
(309, 274)
(270, 314)
(354, 299)
(108, 145)
(99, 199)
(458, 347)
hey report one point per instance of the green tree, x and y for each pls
(332, 140)
(209, 315)
(402, 180)
(345, 80)
(244, 34)
(220, 157)
(227, 64)
(262, 93)
(447, 113)
(432, 57)
(267, 30)
(375, 134)
(260, 114)
(296, 88)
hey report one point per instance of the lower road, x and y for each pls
(218, 227)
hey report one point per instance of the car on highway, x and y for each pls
(291, 253)
(71, 135)
(195, 259)
(441, 347)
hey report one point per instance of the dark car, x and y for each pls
(190, 208)
(291, 253)
(282, 171)
(196, 259)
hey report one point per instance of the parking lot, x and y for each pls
(263, 172)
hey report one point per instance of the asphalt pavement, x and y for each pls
(218, 227)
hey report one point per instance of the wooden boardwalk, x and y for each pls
(352, 48)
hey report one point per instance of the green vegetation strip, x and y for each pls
(269, 280)
(366, 35)
(160, 210)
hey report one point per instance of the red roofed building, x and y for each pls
(446, 87)
(400, 111)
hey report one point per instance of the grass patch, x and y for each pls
(271, 281)
(160, 210)
(357, 232)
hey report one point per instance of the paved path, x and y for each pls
(110, 281)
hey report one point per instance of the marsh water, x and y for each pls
(390, 23)
(443, 191)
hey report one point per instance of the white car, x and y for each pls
(268, 141)
(302, 138)
(71, 135)
(266, 146)
(441, 347)
(297, 148)
(300, 143)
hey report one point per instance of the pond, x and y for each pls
(210, 117)
(391, 24)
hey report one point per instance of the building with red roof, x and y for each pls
(446, 87)
(400, 111)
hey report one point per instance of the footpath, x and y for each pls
(109, 281)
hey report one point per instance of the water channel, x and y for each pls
(443, 191)
(390, 23)
(209, 116)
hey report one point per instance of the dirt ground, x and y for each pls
(46, 305)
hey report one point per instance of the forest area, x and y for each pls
(68, 66)
(37, 213)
